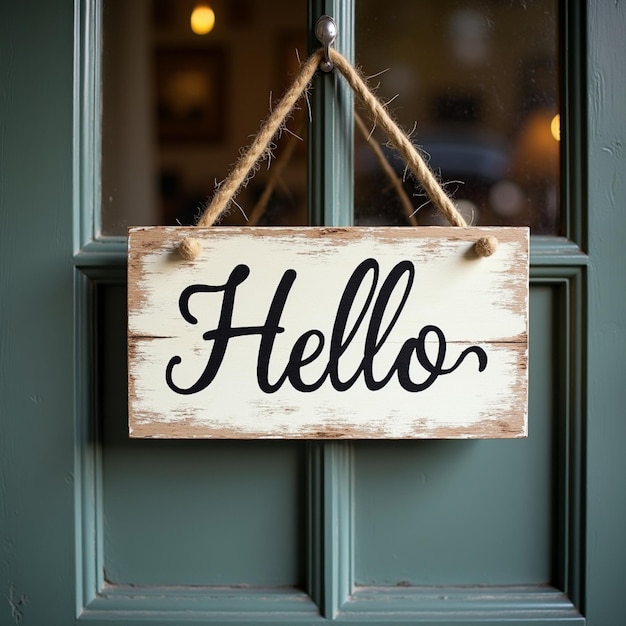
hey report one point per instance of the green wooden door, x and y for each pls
(97, 528)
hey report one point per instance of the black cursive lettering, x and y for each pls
(310, 345)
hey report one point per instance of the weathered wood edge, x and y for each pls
(483, 429)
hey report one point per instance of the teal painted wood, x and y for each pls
(36, 314)
(331, 147)
(86, 132)
(338, 521)
(213, 513)
(48, 570)
(418, 503)
(554, 300)
(606, 399)
(556, 252)
(517, 605)
(330, 479)
(330, 524)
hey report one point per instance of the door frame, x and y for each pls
(557, 262)
(49, 457)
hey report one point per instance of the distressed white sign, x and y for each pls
(356, 333)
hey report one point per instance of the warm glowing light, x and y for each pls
(202, 19)
(555, 127)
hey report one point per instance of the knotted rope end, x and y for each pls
(486, 246)
(189, 248)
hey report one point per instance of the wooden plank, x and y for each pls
(361, 333)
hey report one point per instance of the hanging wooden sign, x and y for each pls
(355, 333)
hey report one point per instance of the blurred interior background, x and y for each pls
(475, 82)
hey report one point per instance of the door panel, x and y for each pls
(66, 515)
(192, 512)
(330, 518)
(464, 512)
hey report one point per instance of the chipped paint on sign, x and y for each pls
(327, 333)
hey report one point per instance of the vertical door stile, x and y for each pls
(330, 159)
(337, 481)
(330, 553)
(330, 199)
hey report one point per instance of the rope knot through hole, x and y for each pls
(190, 248)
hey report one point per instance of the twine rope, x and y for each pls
(399, 140)
(259, 146)
(274, 177)
(409, 211)
(281, 163)
(190, 248)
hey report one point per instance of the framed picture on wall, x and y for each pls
(191, 94)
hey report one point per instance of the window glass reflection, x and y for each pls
(178, 105)
(477, 83)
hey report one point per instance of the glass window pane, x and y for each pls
(178, 106)
(477, 82)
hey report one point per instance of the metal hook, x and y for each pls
(326, 33)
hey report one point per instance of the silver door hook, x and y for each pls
(326, 33)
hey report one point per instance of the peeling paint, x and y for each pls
(477, 304)
(17, 604)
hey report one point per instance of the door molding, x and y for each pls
(331, 593)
